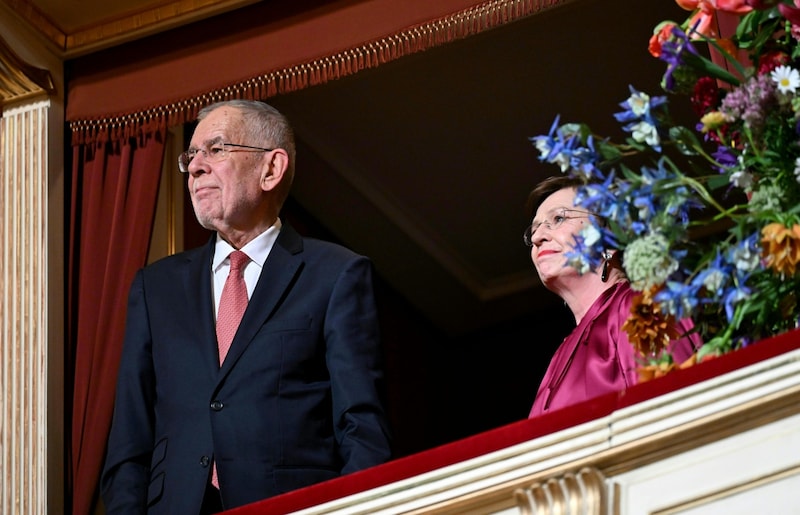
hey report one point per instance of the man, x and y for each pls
(295, 399)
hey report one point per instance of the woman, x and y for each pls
(596, 358)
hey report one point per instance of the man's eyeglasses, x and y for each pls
(553, 221)
(214, 153)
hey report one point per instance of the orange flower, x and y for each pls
(649, 330)
(781, 247)
(662, 34)
(728, 46)
(650, 372)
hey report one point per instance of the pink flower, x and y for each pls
(703, 20)
(791, 13)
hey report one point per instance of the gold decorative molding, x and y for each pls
(28, 12)
(19, 80)
(106, 32)
(584, 492)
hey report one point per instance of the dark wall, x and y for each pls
(443, 387)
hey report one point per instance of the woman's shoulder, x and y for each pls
(618, 298)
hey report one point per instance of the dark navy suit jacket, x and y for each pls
(297, 400)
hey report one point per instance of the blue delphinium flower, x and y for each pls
(724, 280)
(556, 147)
(606, 201)
(678, 299)
(744, 258)
(645, 204)
(585, 253)
(672, 203)
(640, 118)
(584, 160)
(563, 146)
(714, 278)
(545, 144)
(561, 151)
(735, 295)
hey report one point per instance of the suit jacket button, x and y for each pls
(217, 405)
(204, 461)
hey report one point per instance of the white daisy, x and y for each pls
(787, 79)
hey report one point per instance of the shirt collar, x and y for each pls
(257, 249)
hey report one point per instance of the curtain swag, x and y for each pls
(415, 39)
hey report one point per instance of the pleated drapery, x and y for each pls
(114, 191)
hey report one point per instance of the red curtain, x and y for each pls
(114, 190)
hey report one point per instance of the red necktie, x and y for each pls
(232, 304)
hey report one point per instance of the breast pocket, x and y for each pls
(287, 324)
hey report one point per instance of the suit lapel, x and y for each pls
(280, 269)
(200, 303)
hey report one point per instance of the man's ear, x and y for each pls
(274, 167)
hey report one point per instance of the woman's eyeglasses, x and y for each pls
(554, 221)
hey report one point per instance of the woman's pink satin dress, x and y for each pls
(596, 358)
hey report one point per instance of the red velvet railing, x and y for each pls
(518, 432)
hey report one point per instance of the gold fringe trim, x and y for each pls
(460, 25)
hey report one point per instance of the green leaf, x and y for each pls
(685, 139)
(709, 68)
(717, 182)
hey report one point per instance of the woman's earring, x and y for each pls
(604, 274)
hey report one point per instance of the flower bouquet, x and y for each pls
(707, 217)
